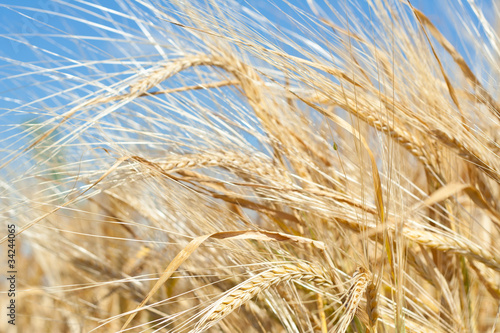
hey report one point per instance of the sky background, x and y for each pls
(24, 46)
(29, 20)
(32, 17)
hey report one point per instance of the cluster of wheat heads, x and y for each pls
(304, 166)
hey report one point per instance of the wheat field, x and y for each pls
(268, 166)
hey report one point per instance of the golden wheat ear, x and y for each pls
(360, 280)
(242, 293)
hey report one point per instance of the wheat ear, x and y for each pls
(360, 280)
(491, 286)
(372, 305)
(453, 245)
(245, 291)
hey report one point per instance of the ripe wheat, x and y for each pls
(209, 166)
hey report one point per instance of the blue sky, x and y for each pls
(52, 17)
(49, 16)
(24, 45)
